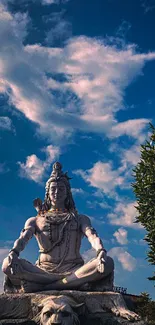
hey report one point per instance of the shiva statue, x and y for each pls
(58, 229)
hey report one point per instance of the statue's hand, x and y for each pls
(14, 263)
(101, 260)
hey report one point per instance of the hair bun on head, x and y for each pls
(57, 171)
(57, 175)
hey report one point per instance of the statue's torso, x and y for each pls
(59, 238)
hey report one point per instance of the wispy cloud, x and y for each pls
(78, 191)
(50, 2)
(60, 29)
(127, 261)
(124, 215)
(3, 168)
(148, 5)
(123, 29)
(102, 176)
(34, 168)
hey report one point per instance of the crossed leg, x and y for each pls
(28, 272)
(85, 274)
(35, 279)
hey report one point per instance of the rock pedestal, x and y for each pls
(99, 308)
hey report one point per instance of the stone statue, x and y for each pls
(58, 229)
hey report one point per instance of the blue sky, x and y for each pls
(77, 85)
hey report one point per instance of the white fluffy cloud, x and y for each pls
(127, 261)
(121, 236)
(77, 191)
(34, 168)
(102, 176)
(50, 2)
(124, 215)
(132, 128)
(131, 156)
(95, 78)
(107, 180)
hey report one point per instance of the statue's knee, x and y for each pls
(5, 266)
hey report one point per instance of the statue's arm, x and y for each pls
(25, 235)
(91, 234)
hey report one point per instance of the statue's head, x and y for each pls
(58, 189)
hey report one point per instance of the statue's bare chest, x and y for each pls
(57, 229)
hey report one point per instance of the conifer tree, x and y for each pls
(144, 189)
(146, 308)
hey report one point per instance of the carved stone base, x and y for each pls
(95, 308)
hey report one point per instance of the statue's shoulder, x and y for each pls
(31, 222)
(83, 219)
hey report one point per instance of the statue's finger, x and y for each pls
(99, 269)
(103, 260)
(12, 270)
(102, 268)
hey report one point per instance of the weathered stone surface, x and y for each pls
(17, 321)
(102, 308)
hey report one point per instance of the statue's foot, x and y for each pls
(29, 287)
(125, 313)
(85, 287)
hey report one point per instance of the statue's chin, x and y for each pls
(56, 203)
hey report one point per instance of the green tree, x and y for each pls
(144, 189)
(146, 308)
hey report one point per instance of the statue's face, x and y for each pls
(57, 192)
